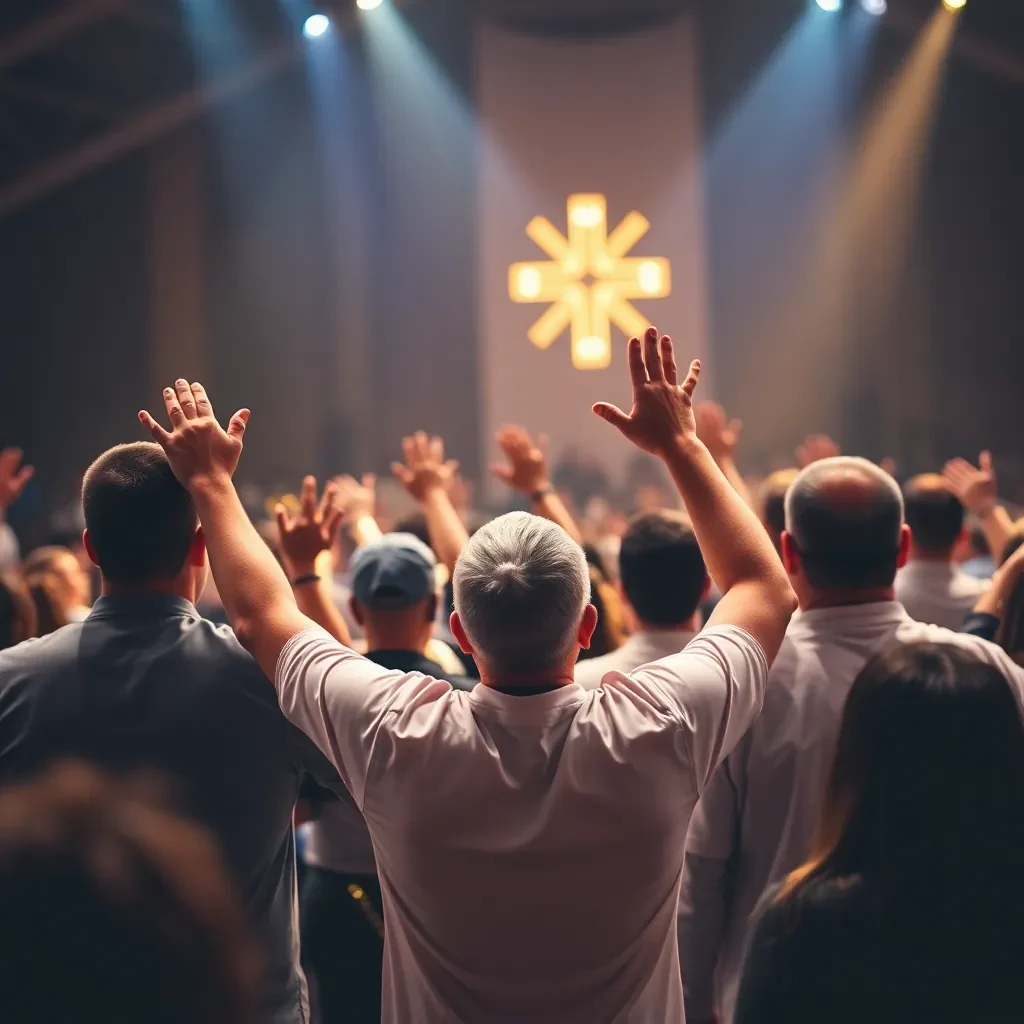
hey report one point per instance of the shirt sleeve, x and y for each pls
(715, 687)
(701, 925)
(341, 700)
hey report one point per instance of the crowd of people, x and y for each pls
(750, 756)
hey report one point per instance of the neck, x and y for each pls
(689, 626)
(172, 588)
(512, 683)
(933, 557)
(395, 640)
(842, 598)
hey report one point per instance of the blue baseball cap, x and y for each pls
(393, 573)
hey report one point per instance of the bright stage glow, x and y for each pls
(954, 5)
(588, 280)
(830, 5)
(316, 25)
(368, 5)
(874, 6)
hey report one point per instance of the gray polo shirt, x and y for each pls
(146, 683)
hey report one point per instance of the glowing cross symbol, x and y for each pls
(589, 280)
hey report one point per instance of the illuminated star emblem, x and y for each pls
(589, 280)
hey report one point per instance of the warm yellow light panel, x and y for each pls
(588, 279)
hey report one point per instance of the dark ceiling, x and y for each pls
(84, 80)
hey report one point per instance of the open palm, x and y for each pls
(662, 410)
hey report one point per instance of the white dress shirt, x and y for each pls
(640, 649)
(938, 592)
(754, 822)
(529, 848)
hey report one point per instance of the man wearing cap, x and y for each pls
(394, 600)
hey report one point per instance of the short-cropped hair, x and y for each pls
(844, 516)
(662, 570)
(771, 501)
(521, 584)
(934, 513)
(141, 521)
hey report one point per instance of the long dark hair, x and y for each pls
(925, 800)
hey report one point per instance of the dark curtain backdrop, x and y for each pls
(345, 314)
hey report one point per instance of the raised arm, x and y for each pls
(720, 437)
(527, 472)
(358, 503)
(1004, 583)
(304, 537)
(740, 557)
(426, 475)
(976, 488)
(256, 593)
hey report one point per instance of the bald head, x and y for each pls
(844, 517)
(934, 514)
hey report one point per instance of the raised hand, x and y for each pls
(527, 469)
(425, 467)
(975, 486)
(13, 477)
(662, 412)
(198, 448)
(815, 448)
(720, 436)
(310, 530)
(356, 499)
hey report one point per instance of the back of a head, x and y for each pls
(50, 612)
(18, 619)
(933, 512)
(925, 789)
(521, 584)
(771, 502)
(662, 569)
(844, 516)
(140, 520)
(115, 910)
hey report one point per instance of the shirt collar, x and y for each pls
(536, 705)
(931, 569)
(142, 605)
(873, 612)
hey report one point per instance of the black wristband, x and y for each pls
(308, 577)
(542, 493)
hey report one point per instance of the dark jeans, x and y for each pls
(342, 950)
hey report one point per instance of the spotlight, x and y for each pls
(830, 5)
(316, 25)
(877, 7)
(368, 5)
(954, 5)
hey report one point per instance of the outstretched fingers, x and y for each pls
(690, 384)
(236, 428)
(161, 436)
(637, 370)
(668, 360)
(612, 414)
(652, 356)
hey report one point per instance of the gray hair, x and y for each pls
(521, 585)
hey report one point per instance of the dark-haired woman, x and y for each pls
(911, 906)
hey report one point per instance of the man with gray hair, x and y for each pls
(528, 835)
(845, 539)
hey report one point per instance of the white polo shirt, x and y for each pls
(640, 649)
(529, 848)
(759, 812)
(938, 593)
